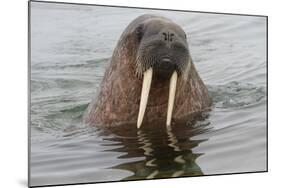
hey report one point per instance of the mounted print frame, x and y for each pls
(129, 93)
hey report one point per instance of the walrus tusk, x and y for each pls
(172, 93)
(147, 77)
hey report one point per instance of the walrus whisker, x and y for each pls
(143, 63)
(147, 78)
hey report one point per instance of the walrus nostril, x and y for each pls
(171, 36)
(165, 36)
(168, 36)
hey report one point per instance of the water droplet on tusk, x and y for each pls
(172, 93)
(147, 78)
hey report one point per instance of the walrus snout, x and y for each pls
(164, 51)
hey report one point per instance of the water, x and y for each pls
(70, 49)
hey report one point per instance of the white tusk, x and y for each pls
(147, 78)
(172, 93)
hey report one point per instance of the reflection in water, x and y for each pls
(158, 152)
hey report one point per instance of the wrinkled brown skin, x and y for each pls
(119, 97)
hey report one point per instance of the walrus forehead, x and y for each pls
(155, 25)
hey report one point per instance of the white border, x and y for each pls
(13, 82)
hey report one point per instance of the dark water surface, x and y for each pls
(70, 49)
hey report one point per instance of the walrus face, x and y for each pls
(163, 47)
(163, 50)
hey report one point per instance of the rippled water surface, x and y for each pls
(70, 49)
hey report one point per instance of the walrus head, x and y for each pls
(161, 50)
(150, 71)
(162, 46)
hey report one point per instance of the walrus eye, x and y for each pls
(139, 32)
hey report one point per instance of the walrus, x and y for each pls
(151, 78)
